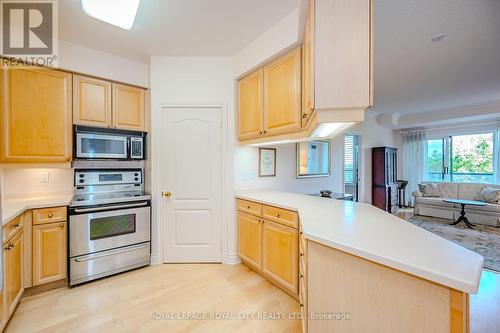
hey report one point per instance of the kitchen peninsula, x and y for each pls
(358, 261)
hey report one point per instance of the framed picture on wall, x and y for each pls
(267, 162)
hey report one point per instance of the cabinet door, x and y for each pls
(250, 107)
(91, 101)
(280, 261)
(35, 115)
(308, 67)
(128, 107)
(14, 268)
(283, 94)
(250, 239)
(49, 252)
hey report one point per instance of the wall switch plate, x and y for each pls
(44, 176)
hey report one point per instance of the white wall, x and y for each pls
(194, 80)
(84, 60)
(372, 135)
(21, 182)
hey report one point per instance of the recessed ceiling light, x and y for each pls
(116, 12)
(439, 37)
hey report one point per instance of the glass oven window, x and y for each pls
(102, 146)
(111, 226)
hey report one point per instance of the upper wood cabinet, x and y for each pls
(308, 66)
(269, 99)
(35, 115)
(282, 94)
(104, 104)
(251, 104)
(128, 107)
(91, 101)
(49, 252)
(343, 54)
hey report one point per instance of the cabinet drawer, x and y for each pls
(11, 228)
(280, 215)
(49, 215)
(250, 207)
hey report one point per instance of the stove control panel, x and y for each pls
(91, 177)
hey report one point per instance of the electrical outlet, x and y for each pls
(44, 176)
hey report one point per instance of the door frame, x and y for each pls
(229, 253)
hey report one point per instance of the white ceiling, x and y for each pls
(176, 27)
(413, 74)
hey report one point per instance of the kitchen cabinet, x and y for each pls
(250, 239)
(35, 115)
(270, 98)
(270, 245)
(128, 107)
(13, 261)
(91, 101)
(280, 261)
(308, 66)
(251, 104)
(49, 245)
(282, 94)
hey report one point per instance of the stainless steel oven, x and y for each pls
(103, 143)
(109, 224)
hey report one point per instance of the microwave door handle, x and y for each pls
(99, 209)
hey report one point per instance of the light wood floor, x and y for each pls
(126, 302)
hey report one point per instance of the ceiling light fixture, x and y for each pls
(439, 37)
(120, 13)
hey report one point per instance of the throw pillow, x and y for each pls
(489, 194)
(429, 190)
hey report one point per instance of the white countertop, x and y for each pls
(12, 207)
(368, 232)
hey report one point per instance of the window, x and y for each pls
(351, 162)
(461, 158)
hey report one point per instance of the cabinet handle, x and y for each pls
(16, 225)
(304, 116)
(61, 225)
(301, 276)
(50, 215)
(265, 132)
(248, 207)
(301, 305)
(278, 215)
(11, 246)
(260, 132)
(301, 254)
(7, 248)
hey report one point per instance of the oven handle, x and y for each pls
(100, 209)
(110, 253)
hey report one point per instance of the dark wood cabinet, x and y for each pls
(384, 178)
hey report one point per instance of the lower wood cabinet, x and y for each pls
(13, 274)
(280, 261)
(250, 239)
(270, 247)
(49, 252)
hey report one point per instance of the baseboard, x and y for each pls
(232, 259)
(45, 287)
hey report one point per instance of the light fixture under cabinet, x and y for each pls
(120, 13)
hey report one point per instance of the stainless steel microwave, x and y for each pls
(102, 143)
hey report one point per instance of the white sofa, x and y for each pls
(434, 206)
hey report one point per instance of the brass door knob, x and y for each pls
(166, 194)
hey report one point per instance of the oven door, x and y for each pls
(97, 229)
(90, 145)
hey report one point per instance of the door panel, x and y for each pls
(91, 101)
(280, 260)
(15, 270)
(128, 107)
(49, 252)
(35, 115)
(191, 157)
(250, 239)
(282, 94)
(250, 96)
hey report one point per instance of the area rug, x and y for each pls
(484, 240)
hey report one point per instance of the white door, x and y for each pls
(192, 173)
